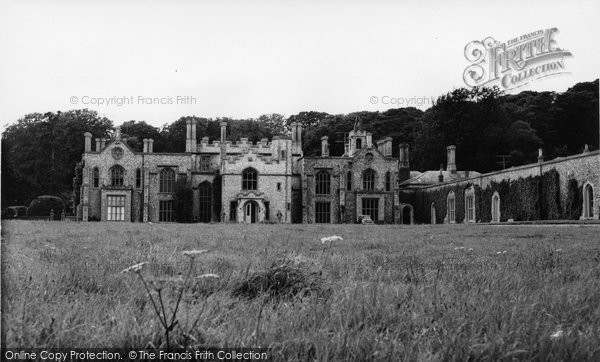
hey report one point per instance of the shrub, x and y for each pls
(282, 280)
(42, 205)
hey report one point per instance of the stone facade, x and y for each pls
(144, 188)
(271, 181)
(363, 181)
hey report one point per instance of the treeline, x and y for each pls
(40, 151)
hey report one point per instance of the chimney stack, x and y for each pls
(118, 133)
(441, 175)
(190, 136)
(145, 145)
(223, 130)
(98, 144)
(294, 134)
(299, 133)
(403, 164)
(403, 156)
(102, 143)
(369, 140)
(324, 146)
(88, 142)
(451, 159)
(150, 145)
(540, 155)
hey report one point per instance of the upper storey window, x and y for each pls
(117, 174)
(167, 180)
(249, 179)
(323, 183)
(369, 180)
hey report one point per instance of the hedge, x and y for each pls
(43, 205)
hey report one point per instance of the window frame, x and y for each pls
(166, 180)
(370, 181)
(115, 207)
(249, 183)
(349, 181)
(165, 211)
(138, 178)
(322, 212)
(117, 176)
(323, 183)
(451, 207)
(95, 177)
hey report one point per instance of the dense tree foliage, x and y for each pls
(40, 151)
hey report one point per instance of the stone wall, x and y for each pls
(584, 168)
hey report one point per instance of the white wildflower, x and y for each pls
(134, 268)
(558, 250)
(330, 239)
(559, 333)
(208, 276)
(193, 253)
(504, 252)
(470, 249)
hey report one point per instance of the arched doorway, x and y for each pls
(588, 201)
(432, 210)
(250, 212)
(496, 207)
(406, 215)
(205, 202)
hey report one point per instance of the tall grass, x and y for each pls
(385, 292)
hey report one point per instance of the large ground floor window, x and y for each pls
(115, 209)
(165, 211)
(323, 212)
(370, 206)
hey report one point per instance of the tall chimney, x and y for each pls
(150, 145)
(403, 156)
(223, 130)
(102, 143)
(403, 164)
(88, 142)
(451, 151)
(98, 144)
(324, 146)
(145, 145)
(118, 133)
(369, 140)
(188, 135)
(540, 155)
(299, 133)
(441, 175)
(294, 133)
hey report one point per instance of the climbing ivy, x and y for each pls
(523, 199)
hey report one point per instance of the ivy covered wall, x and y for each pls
(522, 199)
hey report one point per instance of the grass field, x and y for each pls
(384, 292)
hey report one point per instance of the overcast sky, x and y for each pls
(242, 59)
